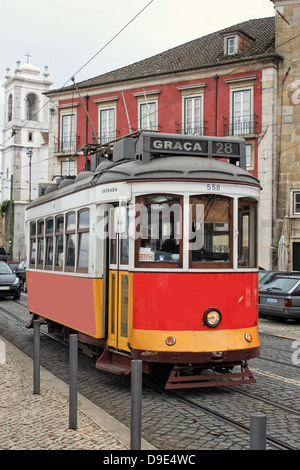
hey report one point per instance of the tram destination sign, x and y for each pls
(164, 144)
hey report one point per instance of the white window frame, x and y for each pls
(240, 128)
(109, 133)
(294, 194)
(68, 147)
(249, 148)
(70, 168)
(150, 108)
(193, 125)
(231, 45)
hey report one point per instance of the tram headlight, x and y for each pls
(212, 317)
(170, 341)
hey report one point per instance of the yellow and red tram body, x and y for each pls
(153, 256)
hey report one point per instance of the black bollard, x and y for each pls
(73, 382)
(258, 431)
(136, 405)
(36, 357)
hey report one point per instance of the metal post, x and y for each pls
(136, 405)
(36, 357)
(29, 153)
(73, 382)
(258, 431)
(11, 220)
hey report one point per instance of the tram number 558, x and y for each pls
(213, 187)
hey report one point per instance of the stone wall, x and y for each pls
(287, 175)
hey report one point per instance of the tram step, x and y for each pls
(176, 380)
(114, 362)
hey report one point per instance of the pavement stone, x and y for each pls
(31, 421)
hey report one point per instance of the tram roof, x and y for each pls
(158, 168)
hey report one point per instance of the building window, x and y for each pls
(249, 156)
(231, 45)
(148, 116)
(107, 125)
(59, 242)
(211, 232)
(30, 137)
(193, 124)
(296, 203)
(68, 133)
(10, 107)
(32, 107)
(70, 241)
(68, 168)
(241, 121)
(83, 239)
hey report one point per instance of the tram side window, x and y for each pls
(32, 244)
(211, 231)
(40, 243)
(49, 244)
(247, 234)
(59, 242)
(159, 225)
(70, 241)
(83, 239)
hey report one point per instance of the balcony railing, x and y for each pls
(194, 128)
(107, 137)
(242, 125)
(66, 145)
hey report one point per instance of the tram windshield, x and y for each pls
(211, 230)
(159, 225)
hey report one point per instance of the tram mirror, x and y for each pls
(120, 219)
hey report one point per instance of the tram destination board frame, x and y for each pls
(149, 144)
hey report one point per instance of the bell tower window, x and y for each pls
(32, 107)
(9, 108)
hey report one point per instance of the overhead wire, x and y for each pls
(83, 66)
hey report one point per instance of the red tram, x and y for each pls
(153, 256)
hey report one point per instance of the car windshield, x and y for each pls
(282, 284)
(5, 269)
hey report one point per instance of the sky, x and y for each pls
(87, 38)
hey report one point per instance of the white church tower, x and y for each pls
(24, 152)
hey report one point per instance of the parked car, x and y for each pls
(4, 256)
(281, 298)
(20, 271)
(10, 284)
(265, 277)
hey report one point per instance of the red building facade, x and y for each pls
(223, 84)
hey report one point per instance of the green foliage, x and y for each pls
(4, 206)
(275, 253)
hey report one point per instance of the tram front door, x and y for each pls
(119, 279)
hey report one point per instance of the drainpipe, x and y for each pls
(216, 77)
(86, 129)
